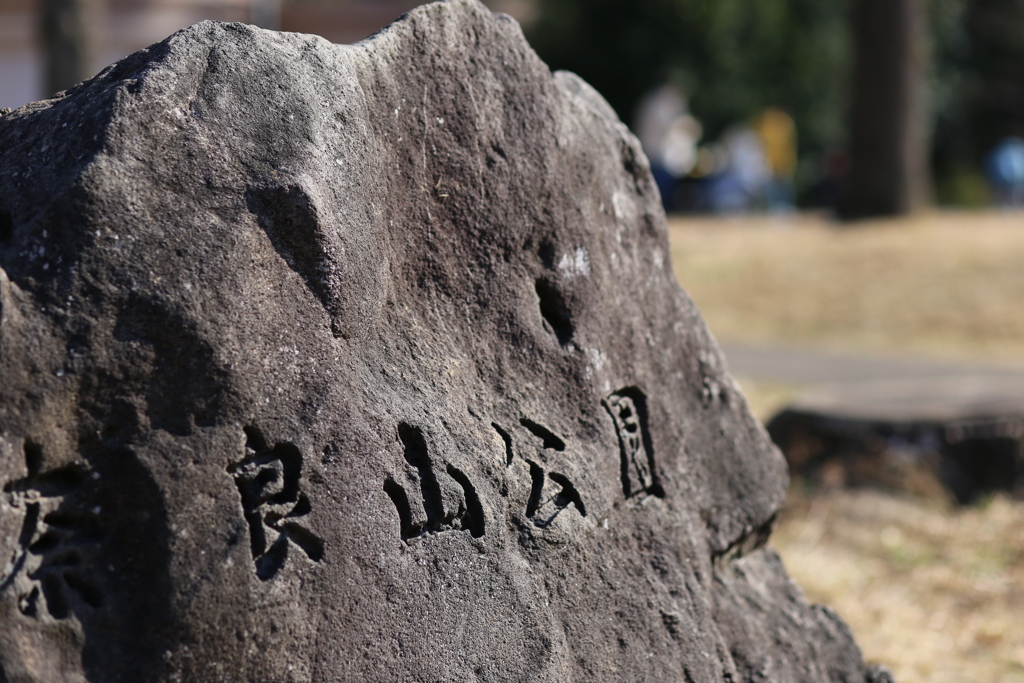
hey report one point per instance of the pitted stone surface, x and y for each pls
(336, 363)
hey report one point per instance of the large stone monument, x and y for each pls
(367, 363)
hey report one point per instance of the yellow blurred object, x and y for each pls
(777, 132)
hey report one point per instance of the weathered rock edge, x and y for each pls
(326, 363)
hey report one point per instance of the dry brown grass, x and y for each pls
(942, 284)
(936, 593)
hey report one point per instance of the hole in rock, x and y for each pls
(568, 495)
(28, 604)
(306, 540)
(257, 534)
(549, 438)
(555, 311)
(46, 542)
(537, 490)
(33, 457)
(474, 517)
(88, 592)
(401, 501)
(6, 227)
(547, 254)
(56, 603)
(31, 524)
(70, 558)
(628, 410)
(416, 455)
(271, 561)
(61, 482)
(507, 438)
(302, 507)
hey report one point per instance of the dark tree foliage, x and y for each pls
(735, 57)
(952, 85)
(977, 89)
(732, 57)
(994, 70)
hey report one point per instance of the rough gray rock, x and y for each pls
(338, 363)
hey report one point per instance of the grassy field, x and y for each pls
(935, 592)
(943, 285)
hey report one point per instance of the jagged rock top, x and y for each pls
(367, 362)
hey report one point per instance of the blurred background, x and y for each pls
(740, 106)
(49, 45)
(845, 187)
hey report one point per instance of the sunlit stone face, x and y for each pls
(367, 363)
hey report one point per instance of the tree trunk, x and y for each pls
(67, 32)
(888, 133)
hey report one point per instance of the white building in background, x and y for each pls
(124, 26)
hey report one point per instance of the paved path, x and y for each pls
(880, 387)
